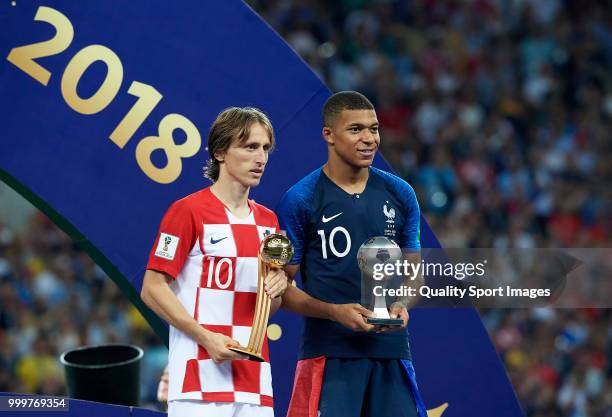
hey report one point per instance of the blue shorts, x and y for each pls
(367, 388)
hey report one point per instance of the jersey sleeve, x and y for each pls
(175, 238)
(410, 235)
(292, 217)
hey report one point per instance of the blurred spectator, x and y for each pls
(162, 388)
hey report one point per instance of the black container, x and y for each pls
(105, 373)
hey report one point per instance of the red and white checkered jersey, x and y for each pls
(213, 257)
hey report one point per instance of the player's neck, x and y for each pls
(233, 195)
(351, 179)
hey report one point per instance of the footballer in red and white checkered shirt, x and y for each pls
(202, 277)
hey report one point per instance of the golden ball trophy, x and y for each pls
(275, 252)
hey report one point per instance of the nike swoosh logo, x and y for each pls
(329, 219)
(213, 241)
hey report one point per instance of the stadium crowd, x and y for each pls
(53, 298)
(498, 112)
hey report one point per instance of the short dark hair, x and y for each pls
(233, 123)
(344, 100)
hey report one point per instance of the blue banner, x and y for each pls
(105, 114)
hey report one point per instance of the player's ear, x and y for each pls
(220, 156)
(327, 135)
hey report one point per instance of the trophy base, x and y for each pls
(253, 356)
(385, 322)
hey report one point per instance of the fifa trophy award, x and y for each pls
(372, 257)
(275, 251)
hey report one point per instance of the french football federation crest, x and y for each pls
(389, 212)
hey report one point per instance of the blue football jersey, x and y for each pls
(327, 226)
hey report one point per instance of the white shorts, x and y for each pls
(192, 408)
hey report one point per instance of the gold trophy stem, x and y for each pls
(260, 318)
(262, 311)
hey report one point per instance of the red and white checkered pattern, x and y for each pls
(215, 266)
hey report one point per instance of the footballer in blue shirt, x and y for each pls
(348, 367)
